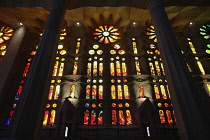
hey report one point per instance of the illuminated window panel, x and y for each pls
(112, 70)
(100, 92)
(134, 48)
(5, 33)
(138, 71)
(191, 47)
(126, 92)
(157, 68)
(77, 47)
(118, 68)
(94, 91)
(124, 69)
(113, 92)
(163, 71)
(157, 94)
(55, 70)
(128, 117)
(52, 117)
(93, 117)
(168, 91)
(100, 117)
(205, 32)
(86, 118)
(106, 34)
(119, 92)
(100, 69)
(189, 68)
(89, 69)
(151, 33)
(200, 66)
(114, 117)
(162, 116)
(141, 91)
(75, 68)
(57, 92)
(26, 69)
(60, 73)
(72, 90)
(208, 87)
(163, 91)
(46, 116)
(121, 118)
(50, 94)
(152, 70)
(88, 92)
(169, 118)
(95, 63)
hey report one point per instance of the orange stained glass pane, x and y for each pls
(157, 68)
(89, 69)
(119, 92)
(25, 72)
(157, 94)
(113, 92)
(118, 68)
(100, 117)
(100, 69)
(128, 117)
(94, 91)
(114, 117)
(88, 92)
(95, 63)
(151, 68)
(138, 71)
(163, 91)
(75, 68)
(86, 118)
(50, 94)
(52, 117)
(126, 92)
(100, 92)
(112, 71)
(124, 69)
(60, 73)
(162, 117)
(46, 115)
(163, 71)
(72, 90)
(201, 68)
(77, 47)
(57, 92)
(141, 91)
(93, 117)
(168, 91)
(121, 118)
(168, 114)
(55, 70)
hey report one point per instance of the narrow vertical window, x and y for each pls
(46, 115)
(89, 69)
(52, 117)
(100, 92)
(163, 71)
(100, 117)
(72, 90)
(75, 68)
(112, 70)
(50, 94)
(95, 63)
(77, 46)
(128, 117)
(126, 92)
(157, 94)
(124, 69)
(141, 91)
(134, 46)
(138, 71)
(119, 92)
(113, 92)
(55, 70)
(157, 68)
(86, 117)
(121, 118)
(169, 118)
(114, 117)
(162, 117)
(60, 73)
(163, 91)
(57, 92)
(118, 68)
(94, 91)
(100, 69)
(88, 92)
(93, 117)
(25, 72)
(151, 68)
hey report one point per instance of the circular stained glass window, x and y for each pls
(117, 46)
(5, 33)
(121, 52)
(113, 104)
(95, 46)
(93, 105)
(159, 105)
(106, 34)
(91, 52)
(63, 52)
(113, 52)
(120, 105)
(151, 33)
(87, 105)
(99, 52)
(127, 105)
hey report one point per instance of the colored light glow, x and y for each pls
(106, 34)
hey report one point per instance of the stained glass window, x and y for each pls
(151, 33)
(205, 32)
(72, 90)
(106, 34)
(5, 35)
(141, 91)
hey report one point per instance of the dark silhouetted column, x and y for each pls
(184, 96)
(27, 120)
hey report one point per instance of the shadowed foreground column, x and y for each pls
(27, 120)
(184, 96)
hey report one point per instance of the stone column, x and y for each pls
(190, 119)
(10, 56)
(27, 120)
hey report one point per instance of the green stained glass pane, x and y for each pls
(208, 51)
(208, 45)
(206, 37)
